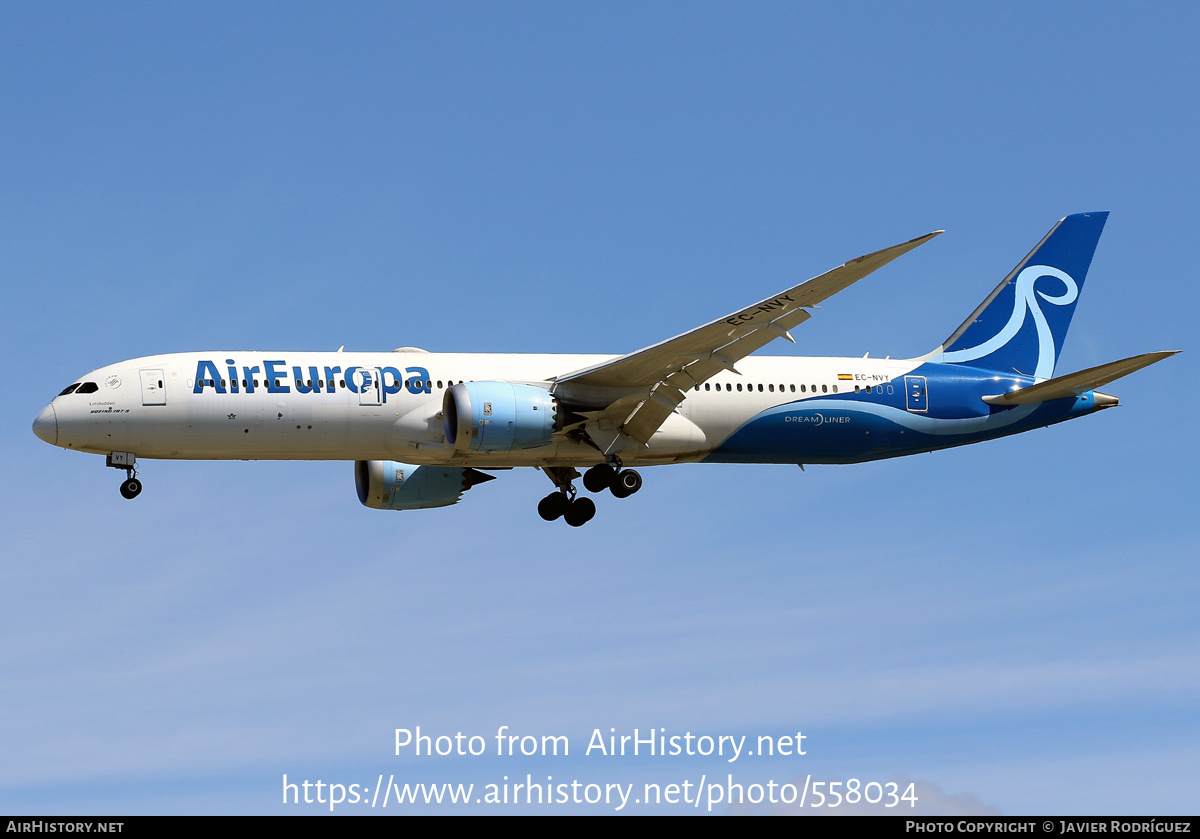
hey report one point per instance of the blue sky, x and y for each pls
(1010, 625)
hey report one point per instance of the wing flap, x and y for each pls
(648, 413)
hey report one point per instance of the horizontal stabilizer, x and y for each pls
(1078, 383)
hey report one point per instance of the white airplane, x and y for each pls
(425, 427)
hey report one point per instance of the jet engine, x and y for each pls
(388, 485)
(497, 416)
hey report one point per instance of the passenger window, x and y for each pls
(793, 388)
(889, 389)
(835, 388)
(803, 389)
(771, 388)
(707, 386)
(760, 390)
(69, 389)
(824, 389)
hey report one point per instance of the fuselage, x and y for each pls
(389, 406)
(423, 428)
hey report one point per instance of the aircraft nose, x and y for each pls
(46, 425)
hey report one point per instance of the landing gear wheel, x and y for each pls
(131, 488)
(626, 484)
(552, 506)
(581, 511)
(599, 477)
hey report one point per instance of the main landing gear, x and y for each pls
(574, 511)
(620, 482)
(577, 511)
(563, 503)
(131, 487)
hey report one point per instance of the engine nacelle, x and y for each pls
(497, 416)
(388, 485)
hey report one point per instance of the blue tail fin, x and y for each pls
(1022, 323)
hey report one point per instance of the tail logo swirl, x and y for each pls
(1026, 301)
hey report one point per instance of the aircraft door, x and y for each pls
(370, 386)
(916, 394)
(153, 392)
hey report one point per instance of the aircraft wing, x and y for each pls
(663, 373)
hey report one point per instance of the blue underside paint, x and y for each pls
(851, 428)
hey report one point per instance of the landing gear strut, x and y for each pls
(131, 487)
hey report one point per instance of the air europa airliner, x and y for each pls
(425, 427)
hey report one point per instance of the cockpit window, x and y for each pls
(69, 389)
(88, 387)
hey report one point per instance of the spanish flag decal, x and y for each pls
(844, 377)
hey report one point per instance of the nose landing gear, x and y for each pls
(131, 487)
